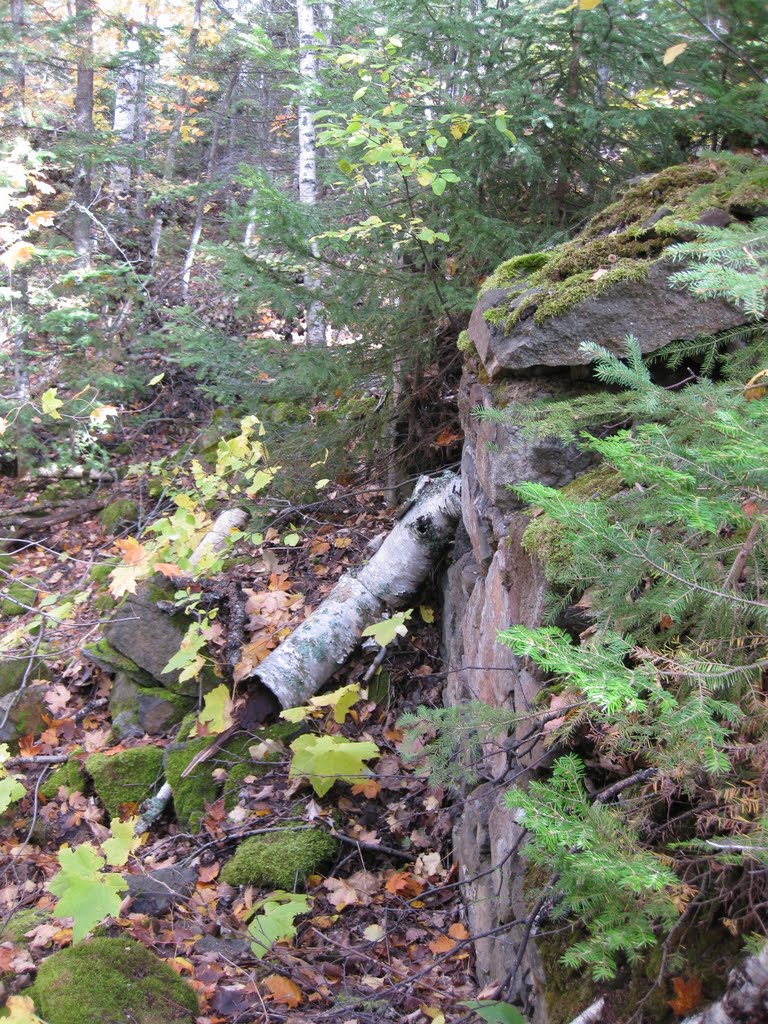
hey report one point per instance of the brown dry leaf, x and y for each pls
(340, 893)
(756, 386)
(402, 883)
(57, 697)
(168, 569)
(369, 789)
(458, 931)
(446, 437)
(687, 995)
(443, 944)
(342, 542)
(208, 872)
(283, 990)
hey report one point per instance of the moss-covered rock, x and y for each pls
(18, 598)
(119, 515)
(103, 654)
(23, 921)
(26, 714)
(137, 709)
(281, 860)
(72, 776)
(191, 794)
(13, 671)
(629, 233)
(104, 981)
(546, 537)
(125, 778)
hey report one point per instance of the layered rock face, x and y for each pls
(523, 346)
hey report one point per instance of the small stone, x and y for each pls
(155, 893)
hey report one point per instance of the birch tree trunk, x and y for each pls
(197, 227)
(746, 998)
(175, 136)
(305, 11)
(125, 114)
(82, 189)
(308, 658)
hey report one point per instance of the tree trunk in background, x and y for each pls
(210, 172)
(315, 335)
(82, 188)
(125, 115)
(175, 136)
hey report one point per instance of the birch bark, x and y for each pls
(82, 188)
(315, 335)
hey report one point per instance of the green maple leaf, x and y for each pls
(85, 894)
(122, 843)
(324, 760)
(10, 791)
(340, 701)
(384, 632)
(494, 1012)
(217, 712)
(51, 404)
(275, 920)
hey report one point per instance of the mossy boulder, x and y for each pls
(72, 776)
(546, 537)
(149, 637)
(137, 710)
(104, 981)
(190, 795)
(18, 598)
(125, 778)
(26, 714)
(119, 515)
(612, 279)
(13, 671)
(281, 860)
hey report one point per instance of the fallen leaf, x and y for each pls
(442, 944)
(283, 990)
(208, 872)
(688, 995)
(341, 894)
(57, 697)
(374, 933)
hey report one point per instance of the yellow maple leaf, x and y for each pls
(41, 219)
(102, 413)
(19, 252)
(123, 580)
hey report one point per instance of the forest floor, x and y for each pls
(385, 939)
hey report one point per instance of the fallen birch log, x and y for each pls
(307, 659)
(746, 998)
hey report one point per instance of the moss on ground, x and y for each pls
(626, 238)
(13, 670)
(23, 921)
(18, 598)
(71, 776)
(125, 778)
(104, 981)
(281, 860)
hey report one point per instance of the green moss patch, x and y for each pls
(190, 795)
(71, 776)
(625, 239)
(118, 515)
(125, 778)
(23, 921)
(18, 598)
(545, 537)
(281, 860)
(109, 980)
